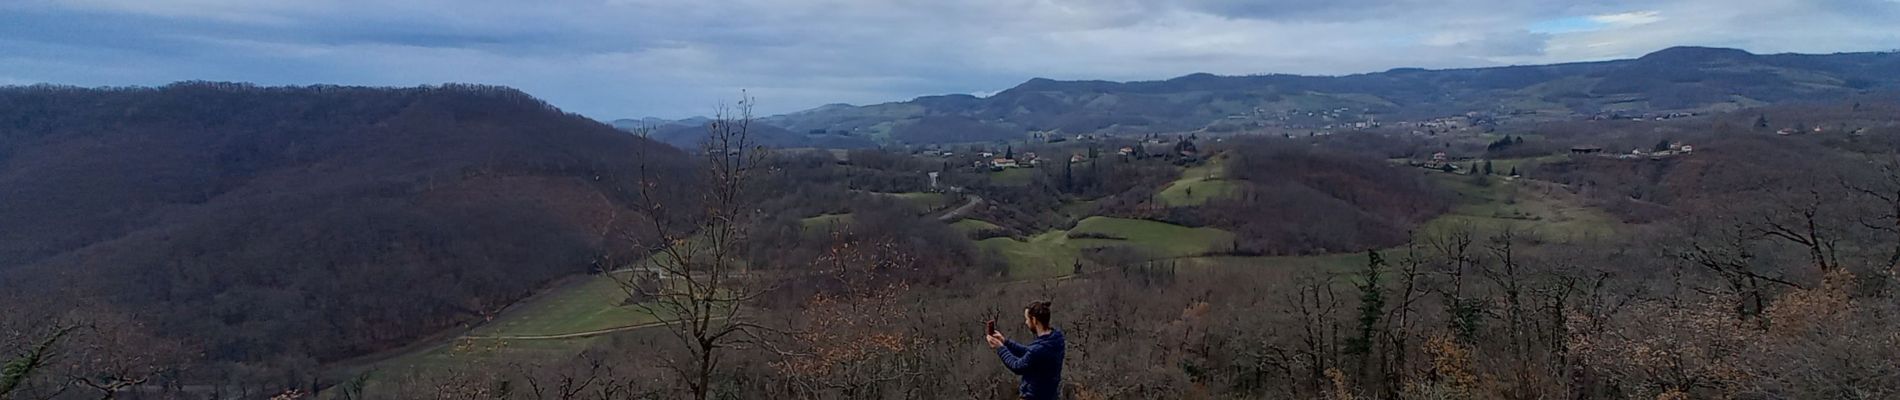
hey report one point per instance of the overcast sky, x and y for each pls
(676, 58)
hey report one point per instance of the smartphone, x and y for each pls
(989, 327)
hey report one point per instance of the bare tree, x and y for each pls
(1800, 220)
(1726, 249)
(1885, 192)
(1402, 324)
(1316, 308)
(1457, 250)
(853, 343)
(702, 283)
(115, 354)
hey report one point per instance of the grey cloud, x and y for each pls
(676, 58)
(1518, 43)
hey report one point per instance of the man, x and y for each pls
(1039, 363)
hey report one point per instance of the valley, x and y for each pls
(576, 315)
(1543, 229)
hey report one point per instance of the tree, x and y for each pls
(1662, 145)
(854, 340)
(1761, 122)
(1095, 169)
(1487, 167)
(1371, 304)
(702, 284)
(1513, 171)
(113, 354)
(1884, 193)
(1504, 143)
(1010, 152)
(1068, 175)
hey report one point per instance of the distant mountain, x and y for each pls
(626, 124)
(1680, 79)
(267, 224)
(689, 134)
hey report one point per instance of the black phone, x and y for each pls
(990, 327)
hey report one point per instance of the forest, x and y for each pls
(266, 230)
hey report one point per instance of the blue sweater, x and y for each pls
(1040, 364)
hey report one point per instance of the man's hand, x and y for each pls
(995, 340)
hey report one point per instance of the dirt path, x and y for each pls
(953, 215)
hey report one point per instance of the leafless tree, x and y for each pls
(1885, 192)
(116, 354)
(1316, 309)
(697, 251)
(1725, 249)
(1402, 326)
(1801, 220)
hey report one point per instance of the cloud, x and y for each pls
(677, 58)
(1628, 18)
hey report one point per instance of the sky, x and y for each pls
(612, 59)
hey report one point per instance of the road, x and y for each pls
(953, 215)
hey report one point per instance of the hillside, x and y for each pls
(1681, 79)
(267, 224)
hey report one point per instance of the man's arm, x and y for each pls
(1018, 358)
(1015, 348)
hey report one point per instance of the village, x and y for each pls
(1180, 149)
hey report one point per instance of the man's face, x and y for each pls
(1029, 322)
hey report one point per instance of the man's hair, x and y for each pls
(1039, 310)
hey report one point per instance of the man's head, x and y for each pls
(1036, 316)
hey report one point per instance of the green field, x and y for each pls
(1340, 262)
(1054, 253)
(922, 201)
(1524, 205)
(972, 225)
(927, 201)
(824, 223)
(1156, 238)
(1044, 255)
(1013, 177)
(1199, 184)
(593, 303)
(583, 304)
(463, 352)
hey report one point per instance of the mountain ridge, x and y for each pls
(1675, 79)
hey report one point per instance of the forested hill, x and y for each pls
(268, 223)
(1681, 79)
